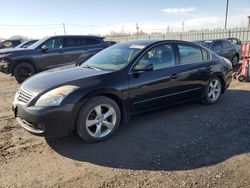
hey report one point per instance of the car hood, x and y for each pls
(11, 50)
(58, 77)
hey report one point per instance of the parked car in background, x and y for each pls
(47, 53)
(110, 43)
(118, 82)
(234, 41)
(26, 44)
(224, 48)
(85, 56)
(10, 43)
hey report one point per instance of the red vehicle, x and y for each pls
(243, 73)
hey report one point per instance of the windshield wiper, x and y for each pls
(90, 67)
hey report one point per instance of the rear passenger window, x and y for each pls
(205, 54)
(190, 54)
(70, 42)
(90, 41)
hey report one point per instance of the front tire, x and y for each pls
(98, 119)
(22, 71)
(213, 91)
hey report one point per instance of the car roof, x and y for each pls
(149, 42)
(65, 36)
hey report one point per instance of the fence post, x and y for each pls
(229, 33)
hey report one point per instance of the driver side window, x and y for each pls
(160, 57)
(54, 43)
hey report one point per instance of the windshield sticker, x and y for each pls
(137, 46)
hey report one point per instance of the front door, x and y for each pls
(155, 88)
(54, 55)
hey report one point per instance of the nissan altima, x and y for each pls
(123, 80)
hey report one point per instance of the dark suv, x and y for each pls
(224, 48)
(48, 53)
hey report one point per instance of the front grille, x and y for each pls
(24, 96)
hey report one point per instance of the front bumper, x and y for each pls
(49, 122)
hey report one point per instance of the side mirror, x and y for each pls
(142, 67)
(44, 48)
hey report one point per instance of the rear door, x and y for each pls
(80, 46)
(228, 49)
(194, 70)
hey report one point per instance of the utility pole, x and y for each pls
(64, 29)
(137, 30)
(168, 29)
(226, 14)
(183, 24)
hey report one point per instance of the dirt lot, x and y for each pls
(190, 145)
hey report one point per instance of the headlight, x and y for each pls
(55, 96)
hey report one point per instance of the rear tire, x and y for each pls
(22, 71)
(98, 119)
(213, 91)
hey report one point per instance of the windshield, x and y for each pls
(205, 43)
(38, 43)
(114, 58)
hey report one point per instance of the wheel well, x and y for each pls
(124, 111)
(22, 61)
(222, 82)
(238, 55)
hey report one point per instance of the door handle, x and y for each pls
(174, 76)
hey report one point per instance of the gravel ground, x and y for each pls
(189, 145)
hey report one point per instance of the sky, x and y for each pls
(38, 18)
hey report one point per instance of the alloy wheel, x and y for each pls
(24, 72)
(214, 90)
(101, 121)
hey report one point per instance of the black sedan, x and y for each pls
(224, 48)
(118, 82)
